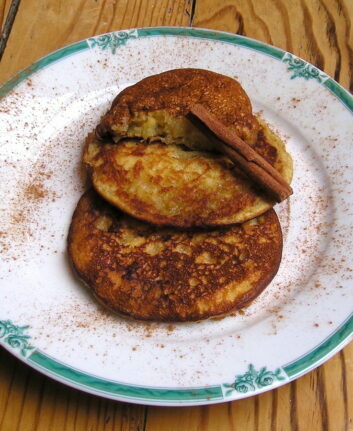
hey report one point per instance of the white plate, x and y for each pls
(48, 320)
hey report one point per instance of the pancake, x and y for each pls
(171, 185)
(163, 274)
(158, 104)
(178, 179)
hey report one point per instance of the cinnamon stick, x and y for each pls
(251, 162)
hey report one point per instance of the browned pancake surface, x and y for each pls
(178, 179)
(175, 91)
(170, 185)
(163, 274)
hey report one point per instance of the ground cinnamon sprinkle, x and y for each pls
(35, 191)
(23, 215)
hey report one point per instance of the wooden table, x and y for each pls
(321, 32)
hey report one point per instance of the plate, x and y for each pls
(48, 320)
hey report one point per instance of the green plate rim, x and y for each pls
(194, 395)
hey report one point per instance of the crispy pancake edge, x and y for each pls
(242, 302)
(259, 202)
(175, 91)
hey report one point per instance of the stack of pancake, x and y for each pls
(172, 229)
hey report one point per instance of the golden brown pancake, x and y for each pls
(164, 274)
(179, 179)
(158, 104)
(171, 185)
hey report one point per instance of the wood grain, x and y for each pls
(68, 21)
(319, 401)
(4, 8)
(319, 31)
(8, 16)
(31, 401)
(315, 402)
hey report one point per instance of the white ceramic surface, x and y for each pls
(300, 320)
